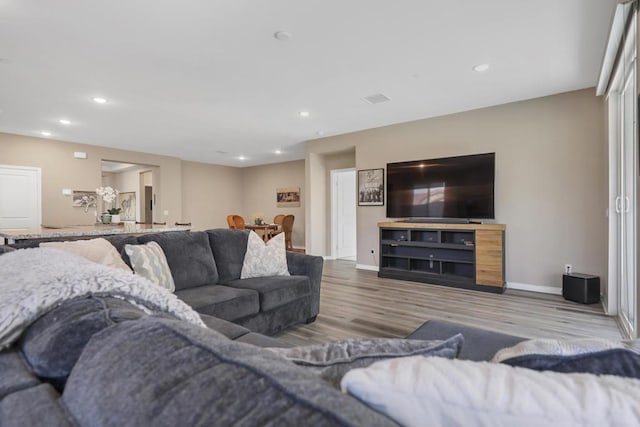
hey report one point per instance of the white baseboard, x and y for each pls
(367, 267)
(510, 285)
(328, 257)
(534, 288)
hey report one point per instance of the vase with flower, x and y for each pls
(109, 196)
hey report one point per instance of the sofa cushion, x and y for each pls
(221, 301)
(33, 407)
(229, 247)
(149, 261)
(260, 340)
(53, 343)
(185, 376)
(334, 359)
(14, 373)
(189, 256)
(226, 328)
(273, 321)
(275, 291)
(479, 344)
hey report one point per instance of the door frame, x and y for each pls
(38, 172)
(333, 253)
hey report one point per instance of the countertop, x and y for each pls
(45, 232)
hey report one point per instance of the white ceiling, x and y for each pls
(192, 78)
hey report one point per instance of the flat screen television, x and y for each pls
(452, 187)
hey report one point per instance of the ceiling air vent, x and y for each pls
(376, 98)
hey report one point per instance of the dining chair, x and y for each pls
(230, 222)
(277, 220)
(287, 228)
(239, 222)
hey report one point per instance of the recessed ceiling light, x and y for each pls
(481, 68)
(242, 158)
(303, 114)
(282, 35)
(45, 133)
(278, 152)
(99, 100)
(64, 122)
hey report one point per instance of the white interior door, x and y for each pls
(19, 197)
(344, 213)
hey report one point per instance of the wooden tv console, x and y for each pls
(469, 256)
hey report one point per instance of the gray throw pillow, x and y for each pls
(331, 361)
(590, 355)
(53, 343)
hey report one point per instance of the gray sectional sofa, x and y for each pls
(206, 267)
(100, 361)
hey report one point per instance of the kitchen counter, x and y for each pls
(53, 232)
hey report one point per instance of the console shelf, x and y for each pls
(468, 256)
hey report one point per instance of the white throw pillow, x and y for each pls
(263, 260)
(99, 250)
(419, 391)
(150, 262)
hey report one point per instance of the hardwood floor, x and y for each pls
(356, 303)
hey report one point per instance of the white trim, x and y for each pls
(367, 267)
(611, 51)
(535, 288)
(328, 257)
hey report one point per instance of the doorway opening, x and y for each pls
(135, 185)
(343, 214)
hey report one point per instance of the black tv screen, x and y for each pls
(453, 187)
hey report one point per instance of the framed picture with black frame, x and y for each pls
(371, 187)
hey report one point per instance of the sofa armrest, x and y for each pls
(310, 266)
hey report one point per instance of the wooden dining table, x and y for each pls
(262, 229)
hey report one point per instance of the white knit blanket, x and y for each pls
(34, 281)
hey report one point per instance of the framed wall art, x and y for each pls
(127, 201)
(288, 197)
(371, 187)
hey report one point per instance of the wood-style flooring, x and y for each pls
(356, 303)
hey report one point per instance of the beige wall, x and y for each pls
(61, 170)
(259, 194)
(210, 193)
(550, 178)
